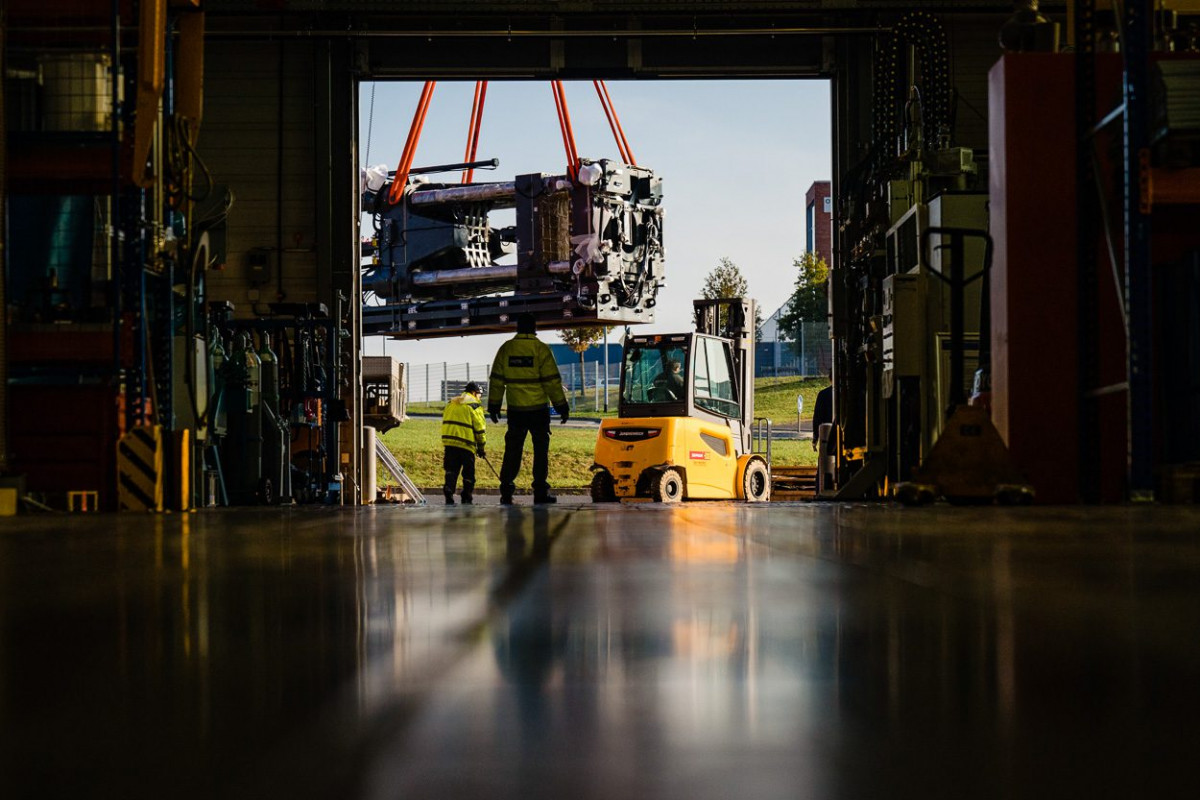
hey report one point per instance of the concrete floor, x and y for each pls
(702, 651)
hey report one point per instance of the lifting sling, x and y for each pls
(396, 192)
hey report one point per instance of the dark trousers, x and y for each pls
(459, 459)
(537, 425)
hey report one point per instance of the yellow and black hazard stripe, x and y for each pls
(139, 470)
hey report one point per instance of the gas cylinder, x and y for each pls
(276, 486)
(242, 450)
(218, 419)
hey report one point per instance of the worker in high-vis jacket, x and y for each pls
(462, 437)
(525, 368)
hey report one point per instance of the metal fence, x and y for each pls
(807, 352)
(437, 383)
(585, 389)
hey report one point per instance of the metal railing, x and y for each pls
(760, 437)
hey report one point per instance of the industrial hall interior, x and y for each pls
(915, 518)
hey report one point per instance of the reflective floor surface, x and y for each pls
(703, 651)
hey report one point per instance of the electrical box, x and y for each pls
(903, 329)
(903, 240)
(258, 266)
(970, 348)
(957, 210)
(385, 395)
(191, 389)
(900, 199)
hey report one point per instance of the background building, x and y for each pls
(818, 220)
(776, 353)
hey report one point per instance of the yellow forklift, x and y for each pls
(684, 429)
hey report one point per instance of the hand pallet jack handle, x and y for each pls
(958, 285)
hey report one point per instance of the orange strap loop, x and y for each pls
(396, 192)
(564, 122)
(410, 146)
(473, 130)
(614, 123)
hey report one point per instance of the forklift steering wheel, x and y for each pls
(665, 393)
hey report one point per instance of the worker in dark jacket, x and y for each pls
(822, 415)
(525, 368)
(463, 437)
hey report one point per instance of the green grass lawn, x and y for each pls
(774, 398)
(417, 445)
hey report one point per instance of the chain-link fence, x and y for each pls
(806, 352)
(437, 383)
(585, 389)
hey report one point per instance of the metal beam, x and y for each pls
(1138, 285)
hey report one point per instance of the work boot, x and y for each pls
(449, 497)
(506, 494)
(466, 500)
(506, 500)
(544, 499)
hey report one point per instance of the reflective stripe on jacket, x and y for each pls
(462, 423)
(525, 368)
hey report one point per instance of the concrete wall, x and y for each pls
(251, 109)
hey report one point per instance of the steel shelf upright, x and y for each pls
(1086, 210)
(1135, 281)
(1139, 302)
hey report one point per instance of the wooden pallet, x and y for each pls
(793, 483)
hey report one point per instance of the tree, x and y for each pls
(726, 280)
(579, 340)
(810, 297)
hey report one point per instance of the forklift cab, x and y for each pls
(679, 375)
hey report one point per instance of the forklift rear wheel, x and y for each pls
(668, 487)
(910, 493)
(603, 490)
(756, 482)
(1014, 494)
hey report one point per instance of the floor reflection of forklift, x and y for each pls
(684, 429)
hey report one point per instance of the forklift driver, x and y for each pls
(668, 386)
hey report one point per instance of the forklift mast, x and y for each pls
(733, 318)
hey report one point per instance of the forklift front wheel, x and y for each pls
(668, 486)
(603, 490)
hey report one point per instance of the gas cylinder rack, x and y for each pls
(276, 403)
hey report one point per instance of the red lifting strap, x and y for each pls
(564, 122)
(410, 146)
(396, 192)
(473, 130)
(614, 123)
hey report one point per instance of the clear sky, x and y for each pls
(736, 158)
